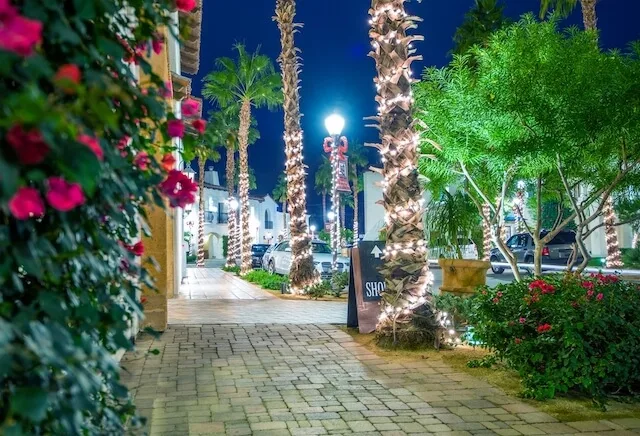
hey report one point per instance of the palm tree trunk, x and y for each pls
(589, 17)
(324, 209)
(243, 188)
(406, 271)
(302, 274)
(200, 260)
(355, 214)
(231, 216)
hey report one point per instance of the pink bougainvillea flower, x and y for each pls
(26, 203)
(157, 43)
(142, 160)
(499, 294)
(93, 144)
(590, 293)
(496, 300)
(190, 107)
(544, 328)
(518, 341)
(588, 285)
(136, 249)
(522, 320)
(180, 190)
(168, 162)
(68, 74)
(62, 195)
(600, 296)
(175, 128)
(200, 125)
(18, 34)
(28, 145)
(547, 288)
(186, 5)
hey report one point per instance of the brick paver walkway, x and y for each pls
(213, 283)
(314, 379)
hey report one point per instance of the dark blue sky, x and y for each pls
(338, 75)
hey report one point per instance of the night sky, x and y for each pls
(338, 76)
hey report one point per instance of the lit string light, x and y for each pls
(486, 232)
(614, 259)
(406, 248)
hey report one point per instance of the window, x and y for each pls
(283, 246)
(523, 241)
(268, 224)
(512, 242)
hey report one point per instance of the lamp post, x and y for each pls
(313, 231)
(334, 124)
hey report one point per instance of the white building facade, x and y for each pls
(266, 222)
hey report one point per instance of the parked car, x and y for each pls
(279, 261)
(556, 252)
(257, 252)
(267, 255)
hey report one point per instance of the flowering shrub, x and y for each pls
(77, 168)
(564, 333)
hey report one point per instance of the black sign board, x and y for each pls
(366, 285)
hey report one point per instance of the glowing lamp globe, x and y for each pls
(233, 204)
(313, 229)
(331, 216)
(334, 124)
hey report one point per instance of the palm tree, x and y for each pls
(303, 273)
(358, 160)
(346, 200)
(324, 176)
(205, 150)
(280, 195)
(405, 269)
(565, 7)
(223, 127)
(249, 81)
(480, 22)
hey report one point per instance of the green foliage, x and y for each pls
(631, 258)
(551, 212)
(342, 280)
(266, 280)
(325, 236)
(225, 245)
(191, 258)
(451, 219)
(324, 177)
(232, 269)
(480, 22)
(564, 334)
(70, 291)
(319, 290)
(279, 193)
(498, 123)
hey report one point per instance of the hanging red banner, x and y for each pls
(342, 182)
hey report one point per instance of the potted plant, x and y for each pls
(452, 223)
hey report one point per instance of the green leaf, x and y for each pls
(30, 403)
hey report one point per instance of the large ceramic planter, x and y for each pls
(463, 276)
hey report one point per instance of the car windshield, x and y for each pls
(318, 247)
(260, 248)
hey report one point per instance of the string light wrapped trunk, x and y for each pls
(486, 232)
(302, 274)
(614, 257)
(335, 209)
(231, 215)
(243, 188)
(406, 272)
(200, 258)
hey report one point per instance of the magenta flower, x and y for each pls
(175, 128)
(64, 196)
(18, 34)
(29, 145)
(93, 144)
(190, 107)
(26, 203)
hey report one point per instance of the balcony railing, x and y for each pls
(223, 217)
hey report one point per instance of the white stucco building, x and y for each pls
(266, 222)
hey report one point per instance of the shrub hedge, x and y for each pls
(563, 333)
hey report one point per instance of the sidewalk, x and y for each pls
(314, 379)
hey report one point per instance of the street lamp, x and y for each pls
(313, 231)
(334, 124)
